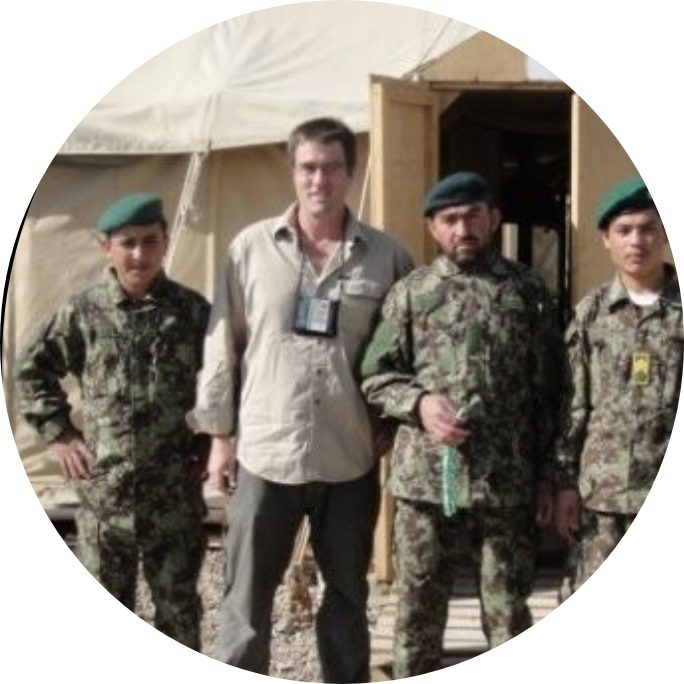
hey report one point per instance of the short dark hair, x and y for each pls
(325, 130)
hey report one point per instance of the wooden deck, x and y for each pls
(463, 637)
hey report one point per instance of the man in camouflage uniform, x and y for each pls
(463, 358)
(133, 341)
(624, 373)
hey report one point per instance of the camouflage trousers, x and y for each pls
(171, 562)
(428, 548)
(599, 534)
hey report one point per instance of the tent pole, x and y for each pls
(185, 203)
(364, 191)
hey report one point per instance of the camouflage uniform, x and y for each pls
(136, 362)
(624, 374)
(458, 332)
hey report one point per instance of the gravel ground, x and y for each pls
(294, 654)
(293, 647)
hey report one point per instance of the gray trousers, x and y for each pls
(263, 523)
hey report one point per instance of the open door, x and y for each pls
(404, 159)
(518, 138)
(404, 162)
(598, 161)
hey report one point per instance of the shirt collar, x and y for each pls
(286, 226)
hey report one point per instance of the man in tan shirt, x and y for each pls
(296, 304)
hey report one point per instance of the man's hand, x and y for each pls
(197, 460)
(567, 514)
(222, 464)
(439, 419)
(383, 431)
(73, 456)
(544, 507)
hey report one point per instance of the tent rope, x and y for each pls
(431, 46)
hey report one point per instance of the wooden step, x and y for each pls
(463, 636)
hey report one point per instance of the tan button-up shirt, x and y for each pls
(291, 400)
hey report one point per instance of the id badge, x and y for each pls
(641, 368)
(316, 316)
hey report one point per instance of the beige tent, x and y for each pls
(204, 124)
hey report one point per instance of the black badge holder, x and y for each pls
(316, 316)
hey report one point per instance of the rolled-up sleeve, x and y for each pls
(218, 388)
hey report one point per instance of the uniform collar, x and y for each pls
(119, 296)
(617, 293)
(671, 293)
(489, 262)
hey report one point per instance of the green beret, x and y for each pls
(463, 187)
(627, 196)
(138, 209)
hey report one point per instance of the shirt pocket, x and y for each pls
(511, 331)
(175, 346)
(609, 367)
(360, 300)
(174, 363)
(106, 365)
(105, 382)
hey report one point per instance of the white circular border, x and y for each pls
(58, 60)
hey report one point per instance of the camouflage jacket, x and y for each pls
(136, 363)
(488, 331)
(623, 376)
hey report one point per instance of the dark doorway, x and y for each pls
(520, 141)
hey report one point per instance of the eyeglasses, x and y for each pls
(311, 168)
